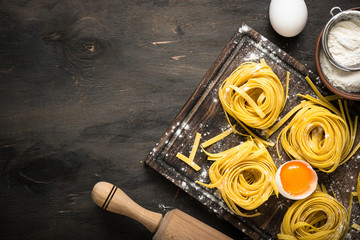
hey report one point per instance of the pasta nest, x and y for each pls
(253, 95)
(319, 217)
(318, 136)
(244, 176)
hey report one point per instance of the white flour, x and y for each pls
(348, 81)
(344, 42)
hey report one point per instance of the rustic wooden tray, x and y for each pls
(203, 113)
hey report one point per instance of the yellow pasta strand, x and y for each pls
(358, 188)
(190, 160)
(318, 217)
(313, 87)
(195, 146)
(217, 138)
(244, 176)
(356, 227)
(253, 95)
(353, 194)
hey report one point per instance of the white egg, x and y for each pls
(288, 17)
(296, 179)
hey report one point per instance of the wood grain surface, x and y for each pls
(87, 90)
(203, 114)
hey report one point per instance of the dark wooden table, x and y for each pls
(87, 89)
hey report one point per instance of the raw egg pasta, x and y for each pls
(319, 216)
(318, 133)
(217, 138)
(253, 95)
(244, 176)
(318, 136)
(190, 160)
(357, 194)
(358, 188)
(356, 227)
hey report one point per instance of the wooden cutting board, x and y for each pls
(203, 113)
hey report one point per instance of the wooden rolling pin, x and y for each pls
(175, 225)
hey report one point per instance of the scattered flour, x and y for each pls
(252, 57)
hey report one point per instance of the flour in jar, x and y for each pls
(344, 42)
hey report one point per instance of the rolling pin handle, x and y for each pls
(111, 198)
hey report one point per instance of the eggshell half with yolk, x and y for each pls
(296, 179)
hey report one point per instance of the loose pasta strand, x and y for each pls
(353, 194)
(190, 160)
(217, 138)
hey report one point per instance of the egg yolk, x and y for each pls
(295, 177)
